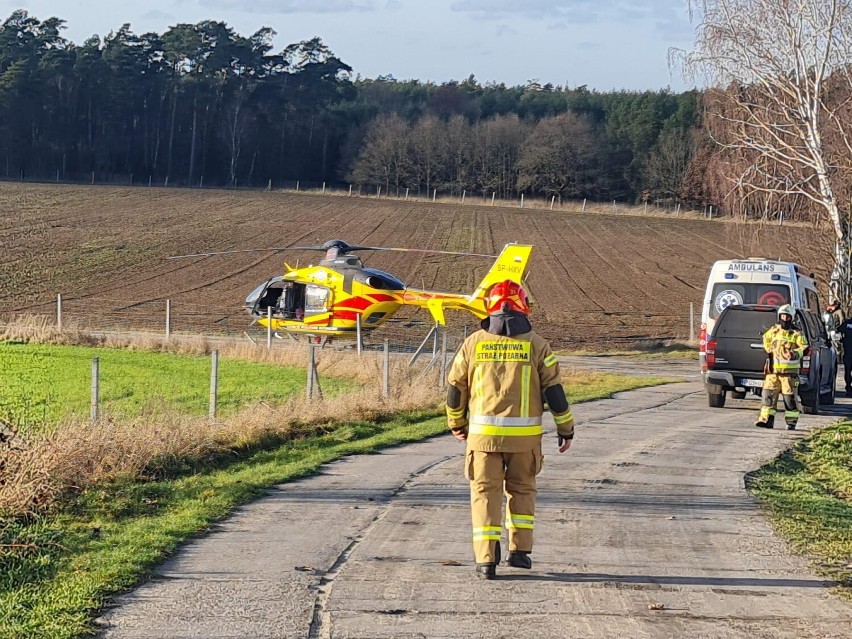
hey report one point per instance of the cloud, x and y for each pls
(156, 15)
(505, 30)
(294, 6)
(570, 11)
(588, 45)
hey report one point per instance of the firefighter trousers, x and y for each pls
(490, 475)
(787, 385)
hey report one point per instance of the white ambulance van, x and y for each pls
(755, 280)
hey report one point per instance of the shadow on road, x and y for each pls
(673, 580)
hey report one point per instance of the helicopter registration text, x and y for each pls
(503, 351)
(509, 268)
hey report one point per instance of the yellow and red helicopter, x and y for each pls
(339, 296)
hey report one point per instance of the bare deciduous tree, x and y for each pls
(667, 164)
(781, 70)
(385, 157)
(560, 157)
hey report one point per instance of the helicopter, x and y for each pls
(340, 297)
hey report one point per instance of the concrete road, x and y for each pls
(644, 529)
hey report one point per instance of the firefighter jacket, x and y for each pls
(786, 348)
(497, 390)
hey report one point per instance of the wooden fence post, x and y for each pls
(358, 332)
(214, 384)
(386, 371)
(313, 376)
(443, 379)
(691, 322)
(96, 387)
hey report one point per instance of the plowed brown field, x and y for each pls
(599, 281)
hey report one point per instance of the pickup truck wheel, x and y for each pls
(716, 400)
(810, 402)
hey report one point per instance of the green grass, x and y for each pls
(808, 492)
(673, 352)
(57, 569)
(582, 386)
(42, 383)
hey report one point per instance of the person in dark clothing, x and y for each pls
(845, 330)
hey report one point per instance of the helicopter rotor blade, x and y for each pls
(414, 250)
(260, 250)
(343, 248)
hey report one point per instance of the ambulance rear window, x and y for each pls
(726, 294)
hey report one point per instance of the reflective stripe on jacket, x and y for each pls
(502, 381)
(787, 347)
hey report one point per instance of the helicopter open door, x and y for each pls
(286, 299)
(291, 301)
(265, 296)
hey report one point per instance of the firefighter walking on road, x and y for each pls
(499, 382)
(786, 346)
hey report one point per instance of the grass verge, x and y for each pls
(585, 385)
(42, 384)
(57, 569)
(808, 492)
(659, 350)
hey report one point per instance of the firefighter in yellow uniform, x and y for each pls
(786, 346)
(498, 384)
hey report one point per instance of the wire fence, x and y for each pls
(167, 317)
(665, 207)
(404, 330)
(421, 344)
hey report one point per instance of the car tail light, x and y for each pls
(702, 338)
(710, 352)
(806, 361)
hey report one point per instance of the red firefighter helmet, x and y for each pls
(507, 296)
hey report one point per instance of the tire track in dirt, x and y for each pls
(222, 278)
(581, 267)
(616, 273)
(556, 257)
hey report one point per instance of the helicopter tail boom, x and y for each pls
(511, 264)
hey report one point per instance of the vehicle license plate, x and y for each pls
(756, 383)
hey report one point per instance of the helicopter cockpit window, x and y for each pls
(265, 296)
(316, 299)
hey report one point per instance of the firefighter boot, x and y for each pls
(768, 422)
(519, 559)
(486, 571)
(767, 413)
(489, 571)
(791, 411)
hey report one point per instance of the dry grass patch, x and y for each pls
(77, 454)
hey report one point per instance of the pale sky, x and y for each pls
(604, 44)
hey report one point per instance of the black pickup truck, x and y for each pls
(735, 356)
